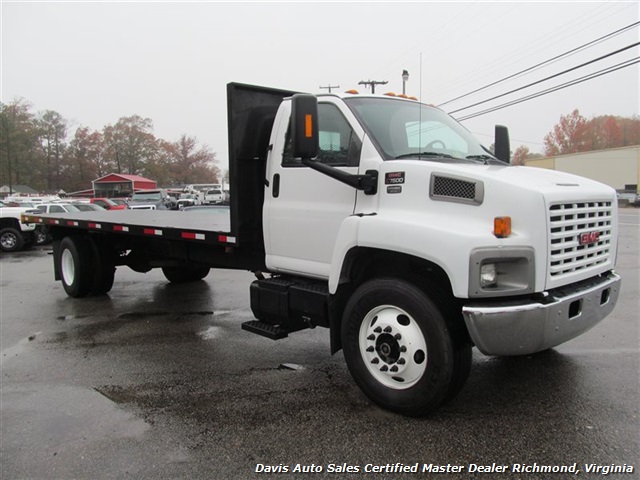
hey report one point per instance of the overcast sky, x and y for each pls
(94, 62)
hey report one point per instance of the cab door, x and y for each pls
(303, 208)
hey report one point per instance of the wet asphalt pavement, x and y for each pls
(158, 381)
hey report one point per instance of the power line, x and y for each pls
(582, 79)
(557, 57)
(568, 31)
(548, 78)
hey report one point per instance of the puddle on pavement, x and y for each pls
(210, 333)
(64, 318)
(178, 315)
(68, 414)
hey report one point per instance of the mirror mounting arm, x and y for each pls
(368, 182)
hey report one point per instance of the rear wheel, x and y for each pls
(185, 274)
(104, 267)
(399, 348)
(41, 236)
(75, 265)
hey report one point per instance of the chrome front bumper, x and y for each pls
(528, 326)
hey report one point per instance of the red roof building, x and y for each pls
(120, 185)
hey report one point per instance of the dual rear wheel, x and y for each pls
(82, 267)
(86, 266)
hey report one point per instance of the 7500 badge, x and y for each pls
(394, 178)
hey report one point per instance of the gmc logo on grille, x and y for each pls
(589, 238)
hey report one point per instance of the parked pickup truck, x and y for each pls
(14, 235)
(188, 200)
(385, 221)
(214, 196)
(150, 200)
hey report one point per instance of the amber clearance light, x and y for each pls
(502, 227)
(308, 126)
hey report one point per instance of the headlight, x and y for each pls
(505, 271)
(488, 275)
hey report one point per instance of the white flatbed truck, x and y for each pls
(384, 220)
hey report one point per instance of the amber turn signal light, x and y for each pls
(502, 227)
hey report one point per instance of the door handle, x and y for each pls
(276, 186)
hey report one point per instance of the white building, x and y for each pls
(616, 167)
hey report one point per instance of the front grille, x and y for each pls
(580, 237)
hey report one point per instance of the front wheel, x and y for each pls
(399, 348)
(11, 240)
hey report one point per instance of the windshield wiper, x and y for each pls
(486, 158)
(424, 154)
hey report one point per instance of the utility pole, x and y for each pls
(373, 84)
(329, 87)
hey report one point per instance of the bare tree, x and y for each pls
(52, 128)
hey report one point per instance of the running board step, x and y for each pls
(265, 329)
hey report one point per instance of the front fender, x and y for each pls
(430, 241)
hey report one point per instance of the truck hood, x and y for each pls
(17, 211)
(546, 181)
(551, 184)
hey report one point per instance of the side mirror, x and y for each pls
(502, 144)
(304, 126)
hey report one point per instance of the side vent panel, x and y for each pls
(448, 188)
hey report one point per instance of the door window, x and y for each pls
(339, 146)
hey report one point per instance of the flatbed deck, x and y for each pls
(211, 224)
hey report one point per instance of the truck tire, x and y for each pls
(104, 268)
(76, 266)
(185, 274)
(41, 236)
(399, 348)
(11, 240)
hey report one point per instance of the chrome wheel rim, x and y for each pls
(393, 347)
(67, 266)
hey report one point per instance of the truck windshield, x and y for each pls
(403, 129)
